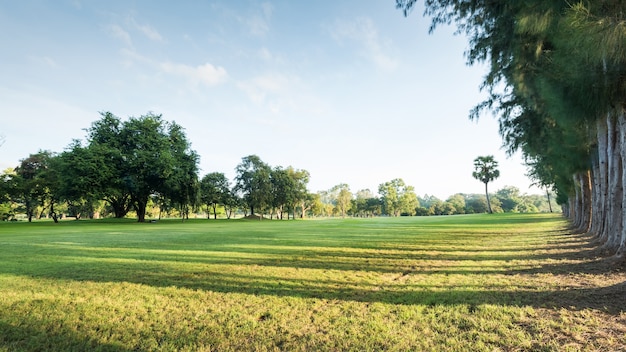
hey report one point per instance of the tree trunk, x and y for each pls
(214, 211)
(549, 201)
(613, 198)
(615, 192)
(621, 233)
(488, 201)
(54, 215)
(588, 200)
(577, 206)
(29, 210)
(605, 139)
(141, 209)
(600, 178)
(583, 201)
(304, 209)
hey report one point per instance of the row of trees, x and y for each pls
(129, 165)
(146, 163)
(556, 81)
(123, 163)
(258, 187)
(398, 199)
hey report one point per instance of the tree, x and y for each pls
(90, 174)
(282, 185)
(486, 170)
(31, 184)
(398, 198)
(509, 198)
(181, 185)
(231, 203)
(214, 190)
(556, 80)
(310, 202)
(99, 169)
(457, 203)
(476, 204)
(366, 204)
(130, 161)
(344, 200)
(9, 194)
(253, 182)
(298, 194)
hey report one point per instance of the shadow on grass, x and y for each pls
(30, 336)
(196, 271)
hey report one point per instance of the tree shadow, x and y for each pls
(164, 269)
(199, 269)
(31, 336)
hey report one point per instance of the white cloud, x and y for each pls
(282, 96)
(262, 89)
(265, 54)
(258, 24)
(363, 31)
(148, 31)
(121, 34)
(203, 74)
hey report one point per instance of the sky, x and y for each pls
(351, 91)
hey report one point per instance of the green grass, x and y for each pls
(504, 282)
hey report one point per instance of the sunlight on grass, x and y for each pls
(504, 282)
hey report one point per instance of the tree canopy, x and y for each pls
(556, 82)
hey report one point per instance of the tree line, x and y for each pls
(146, 166)
(556, 82)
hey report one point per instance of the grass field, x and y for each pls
(505, 282)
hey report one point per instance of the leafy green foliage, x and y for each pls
(398, 198)
(253, 183)
(214, 190)
(125, 163)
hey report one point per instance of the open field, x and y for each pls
(508, 282)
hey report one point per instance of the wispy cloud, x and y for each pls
(206, 74)
(262, 89)
(147, 30)
(282, 95)
(364, 33)
(129, 29)
(120, 33)
(123, 30)
(259, 23)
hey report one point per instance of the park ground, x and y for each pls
(501, 282)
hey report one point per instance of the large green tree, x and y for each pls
(397, 197)
(214, 190)
(126, 162)
(253, 182)
(33, 183)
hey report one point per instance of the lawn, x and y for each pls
(508, 282)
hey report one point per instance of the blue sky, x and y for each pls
(351, 91)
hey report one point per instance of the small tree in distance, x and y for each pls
(486, 170)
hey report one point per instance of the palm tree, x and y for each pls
(485, 170)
